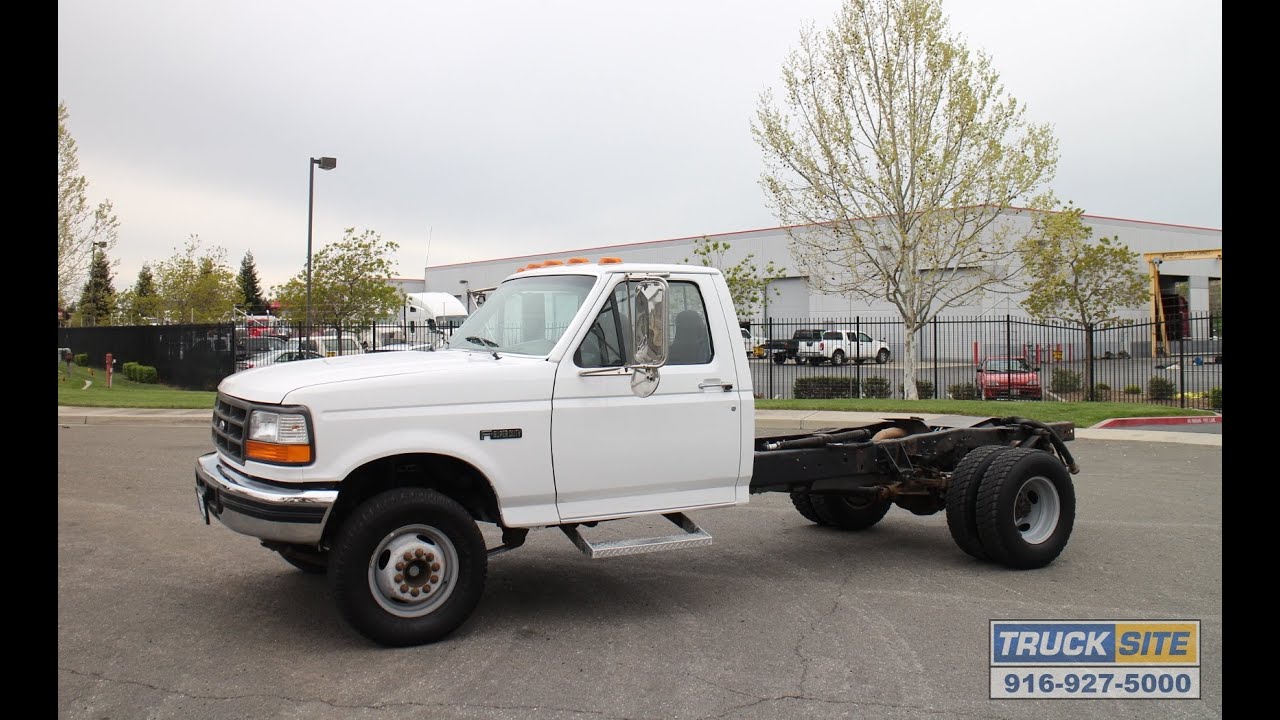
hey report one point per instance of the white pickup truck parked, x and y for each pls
(841, 346)
(580, 393)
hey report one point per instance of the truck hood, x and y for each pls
(274, 383)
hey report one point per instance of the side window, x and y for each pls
(690, 334)
(863, 337)
(606, 343)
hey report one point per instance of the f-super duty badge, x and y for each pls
(507, 434)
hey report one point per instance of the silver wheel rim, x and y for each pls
(413, 571)
(1036, 509)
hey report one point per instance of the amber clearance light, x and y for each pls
(270, 452)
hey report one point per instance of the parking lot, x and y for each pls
(160, 616)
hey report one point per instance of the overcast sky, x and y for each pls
(472, 131)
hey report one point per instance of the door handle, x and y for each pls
(724, 386)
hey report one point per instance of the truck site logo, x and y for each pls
(1113, 643)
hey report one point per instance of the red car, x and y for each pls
(1008, 377)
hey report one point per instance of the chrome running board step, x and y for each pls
(690, 536)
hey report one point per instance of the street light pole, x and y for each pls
(325, 163)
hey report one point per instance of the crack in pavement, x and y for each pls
(855, 703)
(376, 706)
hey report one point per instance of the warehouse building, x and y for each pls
(1188, 286)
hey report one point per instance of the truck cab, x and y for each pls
(575, 394)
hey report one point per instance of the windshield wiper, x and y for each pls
(480, 341)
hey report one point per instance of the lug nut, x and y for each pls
(426, 589)
(418, 552)
(408, 555)
(430, 557)
(400, 566)
(414, 592)
(399, 577)
(435, 567)
(435, 578)
(404, 588)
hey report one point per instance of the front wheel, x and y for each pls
(837, 357)
(1025, 508)
(779, 358)
(408, 567)
(882, 357)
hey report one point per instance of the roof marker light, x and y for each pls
(610, 260)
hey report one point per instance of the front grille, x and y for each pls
(230, 421)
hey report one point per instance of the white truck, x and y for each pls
(841, 346)
(580, 394)
(425, 317)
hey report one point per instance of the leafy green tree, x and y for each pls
(350, 283)
(895, 152)
(251, 286)
(80, 226)
(1075, 279)
(142, 301)
(98, 299)
(748, 284)
(195, 287)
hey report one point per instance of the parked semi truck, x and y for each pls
(581, 393)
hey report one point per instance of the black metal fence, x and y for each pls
(1130, 363)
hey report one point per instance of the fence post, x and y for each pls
(857, 366)
(1182, 371)
(1088, 343)
(769, 356)
(937, 388)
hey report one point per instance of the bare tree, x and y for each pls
(896, 154)
(82, 229)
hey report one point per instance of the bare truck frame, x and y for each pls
(1004, 484)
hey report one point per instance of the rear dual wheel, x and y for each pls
(845, 512)
(1014, 506)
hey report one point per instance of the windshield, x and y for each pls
(524, 316)
(1011, 365)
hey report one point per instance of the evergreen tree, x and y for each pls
(250, 286)
(98, 299)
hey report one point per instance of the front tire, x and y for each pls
(408, 567)
(1025, 508)
(848, 512)
(837, 357)
(779, 358)
(882, 357)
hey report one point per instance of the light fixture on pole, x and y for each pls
(466, 295)
(325, 163)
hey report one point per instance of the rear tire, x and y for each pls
(1025, 509)
(399, 601)
(963, 495)
(849, 512)
(882, 357)
(804, 505)
(779, 358)
(837, 357)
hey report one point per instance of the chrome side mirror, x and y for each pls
(648, 334)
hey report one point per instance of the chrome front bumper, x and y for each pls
(255, 508)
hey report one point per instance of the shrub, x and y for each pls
(1064, 380)
(148, 374)
(923, 387)
(1132, 389)
(963, 391)
(825, 388)
(1102, 387)
(130, 370)
(876, 387)
(1160, 388)
(1215, 398)
(82, 359)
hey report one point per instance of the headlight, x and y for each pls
(278, 438)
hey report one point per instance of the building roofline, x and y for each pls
(644, 243)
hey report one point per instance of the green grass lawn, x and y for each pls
(125, 393)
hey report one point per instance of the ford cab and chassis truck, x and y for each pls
(579, 394)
